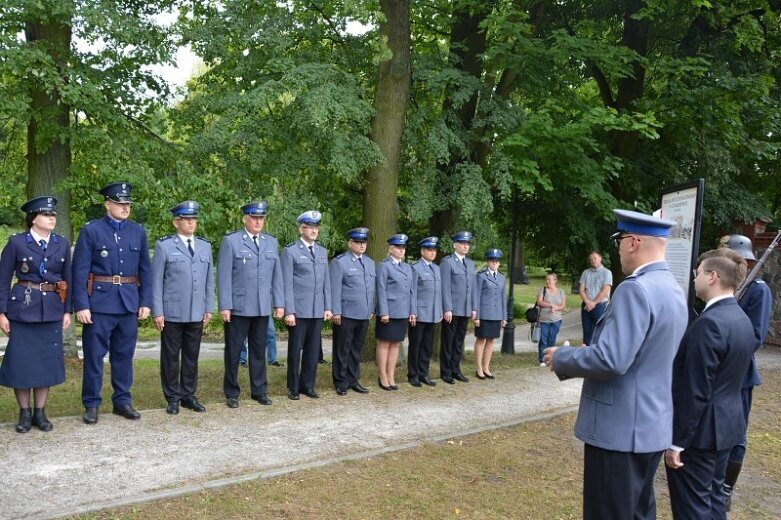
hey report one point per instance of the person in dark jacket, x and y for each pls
(34, 311)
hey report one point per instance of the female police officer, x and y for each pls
(34, 311)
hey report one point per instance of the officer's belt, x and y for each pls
(115, 279)
(39, 286)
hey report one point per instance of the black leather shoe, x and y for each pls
(25, 420)
(323, 362)
(358, 387)
(193, 404)
(40, 420)
(339, 391)
(481, 377)
(461, 377)
(394, 387)
(90, 416)
(310, 392)
(414, 381)
(233, 402)
(262, 399)
(448, 380)
(427, 381)
(172, 408)
(490, 376)
(126, 411)
(275, 363)
(293, 396)
(379, 382)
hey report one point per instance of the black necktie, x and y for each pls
(190, 247)
(312, 251)
(360, 261)
(42, 265)
(430, 266)
(255, 240)
(494, 273)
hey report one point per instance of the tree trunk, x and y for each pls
(48, 145)
(390, 103)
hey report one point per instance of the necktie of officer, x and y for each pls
(42, 266)
(255, 240)
(494, 275)
(190, 247)
(312, 251)
(431, 266)
(360, 261)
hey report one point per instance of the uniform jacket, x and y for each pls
(352, 286)
(457, 284)
(707, 374)
(22, 256)
(249, 279)
(396, 294)
(99, 251)
(757, 303)
(626, 400)
(428, 287)
(183, 287)
(307, 283)
(488, 296)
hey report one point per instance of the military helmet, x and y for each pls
(740, 244)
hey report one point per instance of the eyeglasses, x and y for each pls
(617, 240)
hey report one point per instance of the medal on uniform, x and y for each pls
(104, 253)
(244, 261)
(25, 268)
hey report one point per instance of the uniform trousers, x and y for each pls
(421, 347)
(349, 340)
(618, 485)
(239, 328)
(452, 348)
(696, 488)
(302, 354)
(116, 335)
(180, 340)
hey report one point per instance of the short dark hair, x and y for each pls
(730, 265)
(29, 218)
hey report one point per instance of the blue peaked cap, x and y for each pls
(429, 243)
(493, 254)
(45, 204)
(186, 209)
(359, 234)
(399, 239)
(641, 224)
(255, 209)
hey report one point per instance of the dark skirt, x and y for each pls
(393, 331)
(488, 329)
(34, 357)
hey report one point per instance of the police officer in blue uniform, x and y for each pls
(490, 307)
(353, 279)
(307, 304)
(112, 290)
(458, 280)
(249, 283)
(428, 283)
(182, 305)
(34, 311)
(757, 303)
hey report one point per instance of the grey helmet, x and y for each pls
(740, 244)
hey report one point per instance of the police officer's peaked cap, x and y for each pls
(186, 209)
(399, 239)
(740, 244)
(255, 209)
(309, 218)
(429, 243)
(493, 254)
(44, 204)
(462, 236)
(117, 192)
(359, 234)
(641, 224)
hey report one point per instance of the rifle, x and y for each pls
(741, 291)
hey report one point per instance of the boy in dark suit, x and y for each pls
(707, 374)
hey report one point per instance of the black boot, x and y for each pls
(40, 420)
(25, 420)
(730, 477)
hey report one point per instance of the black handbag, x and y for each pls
(533, 313)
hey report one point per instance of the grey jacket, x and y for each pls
(306, 280)
(428, 286)
(352, 286)
(182, 285)
(457, 283)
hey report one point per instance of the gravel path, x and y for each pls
(79, 468)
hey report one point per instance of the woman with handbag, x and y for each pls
(34, 310)
(551, 301)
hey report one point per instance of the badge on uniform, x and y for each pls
(104, 253)
(25, 268)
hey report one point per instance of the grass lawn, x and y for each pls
(530, 471)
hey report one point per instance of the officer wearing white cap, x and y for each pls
(34, 310)
(458, 279)
(353, 279)
(249, 290)
(112, 290)
(427, 280)
(625, 413)
(307, 303)
(182, 305)
(757, 303)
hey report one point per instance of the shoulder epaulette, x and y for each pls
(340, 256)
(202, 239)
(416, 262)
(164, 237)
(448, 256)
(291, 244)
(269, 235)
(232, 232)
(483, 270)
